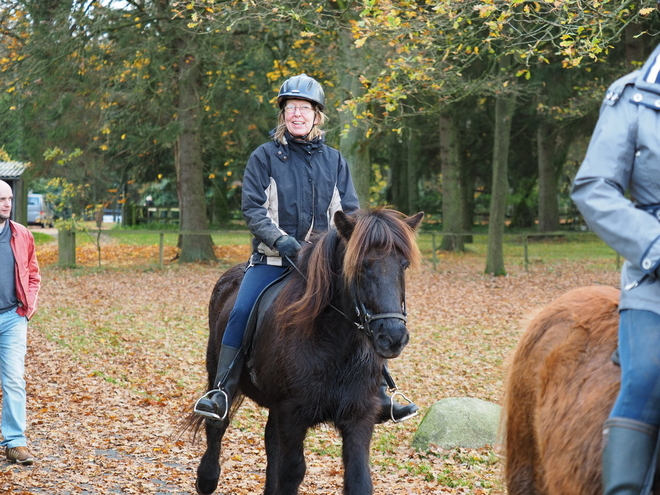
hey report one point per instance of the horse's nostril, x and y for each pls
(384, 341)
(393, 341)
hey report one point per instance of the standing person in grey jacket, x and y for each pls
(617, 189)
(292, 187)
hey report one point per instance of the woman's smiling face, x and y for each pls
(299, 116)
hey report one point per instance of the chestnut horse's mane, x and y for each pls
(330, 255)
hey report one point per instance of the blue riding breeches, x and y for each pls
(639, 353)
(256, 278)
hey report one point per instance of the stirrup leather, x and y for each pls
(212, 415)
(396, 393)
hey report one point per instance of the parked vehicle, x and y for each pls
(39, 211)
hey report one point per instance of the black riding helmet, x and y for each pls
(301, 87)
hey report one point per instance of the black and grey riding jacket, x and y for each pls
(293, 189)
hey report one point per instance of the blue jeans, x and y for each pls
(256, 278)
(639, 353)
(13, 345)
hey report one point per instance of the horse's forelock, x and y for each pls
(380, 229)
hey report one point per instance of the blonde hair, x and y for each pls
(316, 131)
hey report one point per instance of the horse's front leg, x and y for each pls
(208, 471)
(356, 437)
(285, 437)
(273, 454)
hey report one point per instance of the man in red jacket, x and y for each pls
(19, 286)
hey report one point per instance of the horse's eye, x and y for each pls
(405, 264)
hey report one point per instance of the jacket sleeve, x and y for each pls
(34, 278)
(600, 185)
(259, 199)
(347, 193)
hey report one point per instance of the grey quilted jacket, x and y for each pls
(617, 188)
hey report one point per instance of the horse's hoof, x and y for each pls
(199, 490)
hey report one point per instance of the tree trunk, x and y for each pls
(548, 201)
(66, 248)
(220, 206)
(452, 203)
(188, 162)
(353, 144)
(504, 107)
(467, 204)
(397, 192)
(412, 166)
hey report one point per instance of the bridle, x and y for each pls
(365, 317)
(364, 325)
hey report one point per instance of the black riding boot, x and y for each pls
(391, 409)
(215, 404)
(629, 447)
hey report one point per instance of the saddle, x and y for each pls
(262, 303)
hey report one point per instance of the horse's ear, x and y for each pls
(344, 224)
(415, 221)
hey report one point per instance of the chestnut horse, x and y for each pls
(560, 388)
(320, 348)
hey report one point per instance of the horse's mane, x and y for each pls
(334, 253)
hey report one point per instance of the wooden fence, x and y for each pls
(67, 242)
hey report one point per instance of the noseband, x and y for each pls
(366, 318)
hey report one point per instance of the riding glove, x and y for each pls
(287, 246)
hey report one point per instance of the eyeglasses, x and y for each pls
(304, 109)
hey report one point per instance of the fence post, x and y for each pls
(160, 250)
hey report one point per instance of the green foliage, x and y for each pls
(89, 92)
(64, 198)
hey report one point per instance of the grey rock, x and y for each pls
(459, 422)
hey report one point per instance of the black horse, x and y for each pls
(321, 346)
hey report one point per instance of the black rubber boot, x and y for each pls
(391, 409)
(215, 404)
(628, 453)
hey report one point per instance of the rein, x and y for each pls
(365, 317)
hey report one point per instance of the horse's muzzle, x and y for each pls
(390, 337)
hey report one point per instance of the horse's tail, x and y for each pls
(192, 423)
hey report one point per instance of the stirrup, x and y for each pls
(396, 393)
(212, 415)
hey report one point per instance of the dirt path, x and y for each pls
(92, 437)
(124, 357)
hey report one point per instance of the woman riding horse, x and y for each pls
(623, 162)
(292, 186)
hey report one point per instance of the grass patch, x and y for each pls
(322, 443)
(145, 238)
(40, 238)
(545, 250)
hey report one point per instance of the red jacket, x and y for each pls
(28, 278)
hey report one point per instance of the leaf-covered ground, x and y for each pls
(116, 358)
